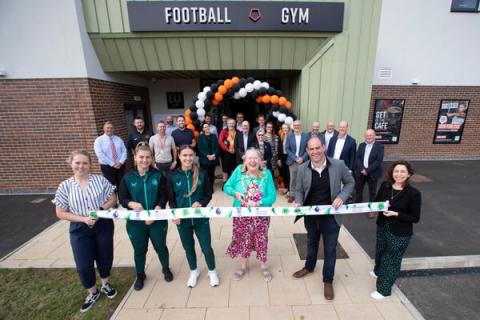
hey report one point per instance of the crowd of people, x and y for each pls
(176, 167)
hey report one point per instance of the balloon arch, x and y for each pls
(216, 94)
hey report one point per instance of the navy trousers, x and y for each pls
(327, 227)
(90, 246)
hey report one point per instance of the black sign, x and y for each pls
(464, 6)
(387, 120)
(175, 100)
(451, 120)
(235, 16)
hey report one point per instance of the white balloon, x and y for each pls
(201, 119)
(199, 104)
(249, 87)
(257, 84)
(202, 96)
(206, 89)
(201, 113)
(289, 120)
(236, 96)
(265, 85)
(275, 114)
(281, 117)
(242, 92)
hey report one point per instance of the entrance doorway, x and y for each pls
(248, 108)
(133, 110)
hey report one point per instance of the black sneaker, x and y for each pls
(109, 291)
(90, 301)
(167, 274)
(139, 282)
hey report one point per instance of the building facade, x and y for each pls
(63, 75)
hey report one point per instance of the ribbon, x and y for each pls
(229, 212)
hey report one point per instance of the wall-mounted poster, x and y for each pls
(175, 100)
(451, 120)
(464, 6)
(387, 119)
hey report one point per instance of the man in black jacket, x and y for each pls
(243, 141)
(138, 135)
(368, 166)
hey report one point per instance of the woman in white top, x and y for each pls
(91, 239)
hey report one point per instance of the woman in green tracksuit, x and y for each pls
(141, 189)
(188, 187)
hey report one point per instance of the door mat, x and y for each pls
(301, 243)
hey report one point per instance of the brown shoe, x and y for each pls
(328, 291)
(301, 273)
(290, 198)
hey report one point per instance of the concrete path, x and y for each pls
(251, 298)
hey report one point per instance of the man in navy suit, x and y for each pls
(296, 146)
(343, 146)
(368, 166)
(329, 133)
(243, 141)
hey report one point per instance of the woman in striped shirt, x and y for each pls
(91, 239)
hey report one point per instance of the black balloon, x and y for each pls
(294, 117)
(271, 91)
(262, 91)
(220, 82)
(250, 79)
(197, 124)
(254, 94)
(279, 93)
(207, 103)
(229, 93)
(243, 82)
(214, 87)
(236, 87)
(193, 115)
(275, 107)
(210, 95)
(192, 108)
(283, 110)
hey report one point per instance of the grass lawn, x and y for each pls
(56, 294)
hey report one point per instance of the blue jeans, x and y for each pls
(327, 227)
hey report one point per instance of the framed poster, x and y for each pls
(387, 119)
(175, 100)
(450, 121)
(464, 6)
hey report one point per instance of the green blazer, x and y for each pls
(204, 149)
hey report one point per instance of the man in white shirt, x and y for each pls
(329, 133)
(343, 146)
(164, 150)
(239, 118)
(368, 166)
(112, 154)
(170, 126)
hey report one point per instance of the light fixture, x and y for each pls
(415, 81)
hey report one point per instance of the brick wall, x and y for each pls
(422, 104)
(42, 120)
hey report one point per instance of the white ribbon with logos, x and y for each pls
(229, 212)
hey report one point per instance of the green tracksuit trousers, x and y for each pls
(201, 228)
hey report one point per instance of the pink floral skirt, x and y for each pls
(249, 234)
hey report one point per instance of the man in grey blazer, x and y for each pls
(322, 181)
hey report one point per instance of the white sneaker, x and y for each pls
(192, 280)
(214, 281)
(377, 296)
(372, 273)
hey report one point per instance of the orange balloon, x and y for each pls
(188, 120)
(191, 126)
(228, 83)
(218, 96)
(236, 80)
(266, 98)
(259, 99)
(215, 102)
(274, 99)
(187, 112)
(282, 101)
(288, 104)
(197, 134)
(222, 89)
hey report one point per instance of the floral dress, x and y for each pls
(250, 233)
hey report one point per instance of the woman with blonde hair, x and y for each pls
(143, 189)
(91, 239)
(251, 185)
(188, 187)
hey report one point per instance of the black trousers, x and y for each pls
(360, 181)
(210, 170)
(113, 175)
(92, 246)
(229, 163)
(164, 168)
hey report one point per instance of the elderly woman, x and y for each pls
(208, 152)
(251, 185)
(91, 239)
(265, 149)
(394, 226)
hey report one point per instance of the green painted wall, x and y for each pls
(336, 69)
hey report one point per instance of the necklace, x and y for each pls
(395, 195)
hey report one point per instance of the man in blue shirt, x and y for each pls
(183, 135)
(111, 154)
